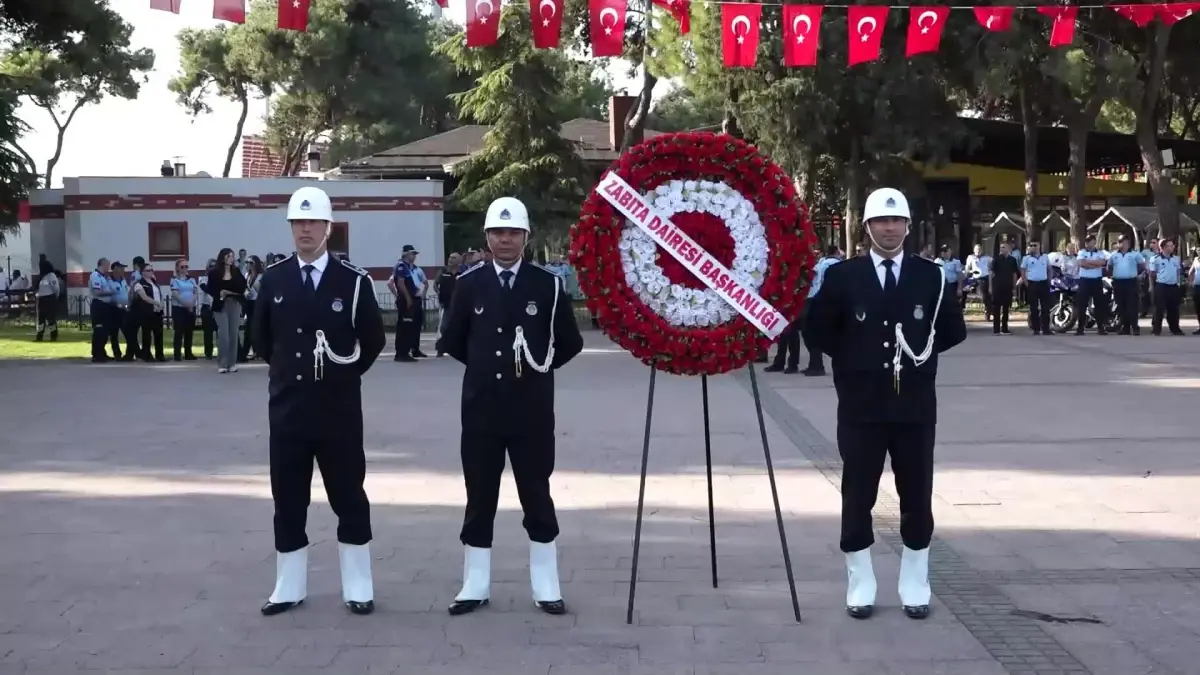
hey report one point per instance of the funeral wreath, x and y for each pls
(693, 252)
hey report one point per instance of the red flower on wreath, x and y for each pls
(622, 312)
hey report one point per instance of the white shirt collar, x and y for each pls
(878, 260)
(514, 269)
(319, 264)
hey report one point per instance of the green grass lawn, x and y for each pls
(16, 342)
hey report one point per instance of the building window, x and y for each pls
(168, 241)
(339, 239)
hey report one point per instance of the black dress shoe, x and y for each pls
(813, 372)
(555, 607)
(916, 611)
(360, 608)
(773, 369)
(273, 608)
(460, 607)
(863, 612)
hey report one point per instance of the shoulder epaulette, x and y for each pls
(472, 269)
(355, 268)
(543, 268)
(280, 262)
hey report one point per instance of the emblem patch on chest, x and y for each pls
(478, 310)
(918, 312)
(278, 299)
(860, 315)
(337, 304)
(531, 309)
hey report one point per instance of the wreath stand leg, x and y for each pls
(637, 529)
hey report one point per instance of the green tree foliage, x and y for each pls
(523, 155)
(213, 62)
(16, 173)
(62, 73)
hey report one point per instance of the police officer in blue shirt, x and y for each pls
(1165, 270)
(1092, 263)
(1035, 277)
(404, 288)
(816, 360)
(953, 271)
(101, 290)
(1125, 265)
(122, 321)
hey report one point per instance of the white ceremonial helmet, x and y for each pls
(886, 203)
(507, 212)
(310, 203)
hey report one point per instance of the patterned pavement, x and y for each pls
(136, 528)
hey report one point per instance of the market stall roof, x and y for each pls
(1142, 218)
(1001, 144)
(1055, 220)
(1010, 223)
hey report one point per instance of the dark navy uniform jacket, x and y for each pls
(286, 319)
(480, 331)
(855, 323)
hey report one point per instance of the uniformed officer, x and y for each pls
(1035, 277)
(512, 325)
(1126, 265)
(868, 317)
(101, 289)
(318, 327)
(1092, 262)
(1165, 270)
(952, 269)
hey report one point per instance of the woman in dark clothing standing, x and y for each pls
(147, 308)
(227, 287)
(254, 273)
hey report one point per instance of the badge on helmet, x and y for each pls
(891, 203)
(305, 205)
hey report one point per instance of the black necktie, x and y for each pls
(889, 277)
(506, 279)
(309, 284)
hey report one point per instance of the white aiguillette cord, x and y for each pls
(323, 349)
(902, 346)
(521, 346)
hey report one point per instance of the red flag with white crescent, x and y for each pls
(739, 33)
(995, 19)
(607, 27)
(865, 31)
(293, 15)
(547, 22)
(680, 10)
(801, 34)
(1062, 30)
(1140, 15)
(1174, 12)
(483, 23)
(925, 25)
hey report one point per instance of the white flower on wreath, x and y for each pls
(678, 304)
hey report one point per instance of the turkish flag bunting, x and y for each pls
(1177, 11)
(171, 6)
(739, 33)
(293, 15)
(483, 23)
(925, 25)
(547, 22)
(607, 27)
(681, 10)
(1141, 15)
(995, 19)
(230, 10)
(865, 24)
(1062, 31)
(801, 34)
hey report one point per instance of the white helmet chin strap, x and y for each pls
(889, 251)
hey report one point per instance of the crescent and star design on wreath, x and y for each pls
(609, 11)
(801, 34)
(738, 20)
(543, 4)
(482, 17)
(863, 22)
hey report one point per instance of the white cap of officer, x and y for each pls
(310, 203)
(886, 203)
(507, 212)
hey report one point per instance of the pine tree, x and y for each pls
(517, 92)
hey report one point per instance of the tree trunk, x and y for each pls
(635, 119)
(1077, 135)
(1147, 131)
(729, 124)
(1029, 124)
(237, 136)
(854, 195)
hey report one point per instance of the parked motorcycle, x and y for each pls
(1063, 291)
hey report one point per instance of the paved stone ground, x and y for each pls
(135, 535)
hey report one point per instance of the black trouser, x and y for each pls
(152, 335)
(1039, 305)
(1126, 293)
(47, 316)
(1002, 297)
(102, 325)
(418, 322)
(247, 327)
(1091, 289)
(122, 324)
(532, 455)
(1166, 301)
(789, 347)
(183, 320)
(1196, 301)
(863, 448)
(815, 360)
(343, 469)
(985, 294)
(405, 329)
(208, 326)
